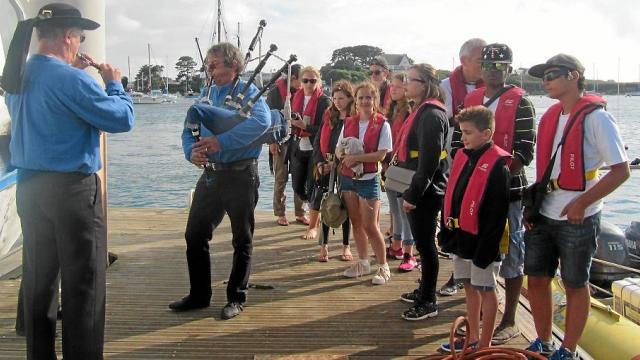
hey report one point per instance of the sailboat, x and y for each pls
(155, 96)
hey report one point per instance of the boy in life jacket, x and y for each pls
(569, 220)
(474, 218)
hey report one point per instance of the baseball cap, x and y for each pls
(560, 60)
(497, 53)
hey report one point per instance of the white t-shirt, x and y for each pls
(385, 142)
(448, 101)
(602, 146)
(305, 142)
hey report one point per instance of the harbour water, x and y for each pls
(147, 168)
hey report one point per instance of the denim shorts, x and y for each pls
(573, 244)
(464, 271)
(366, 189)
(513, 261)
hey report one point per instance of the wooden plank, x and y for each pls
(313, 312)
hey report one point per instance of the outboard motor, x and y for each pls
(632, 236)
(612, 247)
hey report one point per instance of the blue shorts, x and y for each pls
(366, 189)
(513, 262)
(574, 245)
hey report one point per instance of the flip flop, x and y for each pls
(302, 220)
(282, 221)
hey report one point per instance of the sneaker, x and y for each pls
(231, 310)
(408, 263)
(358, 269)
(458, 345)
(395, 254)
(504, 334)
(410, 297)
(450, 289)
(540, 347)
(382, 276)
(563, 354)
(421, 312)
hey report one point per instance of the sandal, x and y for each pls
(324, 253)
(302, 220)
(282, 221)
(346, 254)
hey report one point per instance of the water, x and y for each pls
(146, 167)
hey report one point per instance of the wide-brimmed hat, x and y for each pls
(497, 53)
(332, 211)
(64, 15)
(561, 60)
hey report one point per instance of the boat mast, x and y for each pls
(219, 19)
(149, 54)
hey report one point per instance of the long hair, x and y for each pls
(346, 88)
(399, 107)
(374, 92)
(427, 73)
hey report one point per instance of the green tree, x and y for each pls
(188, 76)
(359, 55)
(142, 77)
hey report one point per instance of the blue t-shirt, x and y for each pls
(57, 118)
(234, 143)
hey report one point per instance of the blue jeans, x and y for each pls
(573, 244)
(401, 228)
(513, 262)
(366, 189)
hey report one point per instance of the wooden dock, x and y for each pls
(313, 312)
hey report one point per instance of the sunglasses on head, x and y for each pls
(487, 66)
(309, 81)
(375, 72)
(554, 74)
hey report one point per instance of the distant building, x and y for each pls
(397, 62)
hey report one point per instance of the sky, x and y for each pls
(603, 34)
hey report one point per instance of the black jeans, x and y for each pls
(63, 231)
(234, 192)
(423, 221)
(302, 173)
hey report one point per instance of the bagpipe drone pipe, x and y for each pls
(219, 119)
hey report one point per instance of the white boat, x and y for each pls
(632, 93)
(156, 97)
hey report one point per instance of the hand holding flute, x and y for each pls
(107, 72)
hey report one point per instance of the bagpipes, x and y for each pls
(219, 119)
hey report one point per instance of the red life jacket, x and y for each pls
(282, 88)
(371, 139)
(459, 89)
(297, 105)
(403, 137)
(505, 114)
(476, 187)
(572, 171)
(325, 134)
(385, 97)
(396, 126)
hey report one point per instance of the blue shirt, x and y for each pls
(57, 119)
(234, 143)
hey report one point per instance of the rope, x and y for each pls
(494, 352)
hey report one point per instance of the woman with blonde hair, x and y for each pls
(362, 194)
(421, 147)
(402, 241)
(324, 147)
(309, 105)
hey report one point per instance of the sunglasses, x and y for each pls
(487, 66)
(554, 74)
(375, 72)
(309, 81)
(408, 79)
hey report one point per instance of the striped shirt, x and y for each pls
(524, 140)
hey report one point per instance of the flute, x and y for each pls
(88, 61)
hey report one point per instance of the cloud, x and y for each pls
(124, 23)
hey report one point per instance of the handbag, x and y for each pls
(533, 195)
(332, 210)
(398, 179)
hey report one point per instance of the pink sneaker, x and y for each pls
(395, 254)
(408, 263)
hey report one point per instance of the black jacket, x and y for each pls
(428, 136)
(484, 248)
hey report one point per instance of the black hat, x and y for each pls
(380, 61)
(497, 53)
(64, 15)
(561, 60)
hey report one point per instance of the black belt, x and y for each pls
(234, 166)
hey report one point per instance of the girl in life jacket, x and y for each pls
(362, 194)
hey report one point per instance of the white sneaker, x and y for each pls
(382, 276)
(358, 269)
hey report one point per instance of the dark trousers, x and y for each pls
(423, 221)
(63, 231)
(234, 192)
(346, 228)
(301, 173)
